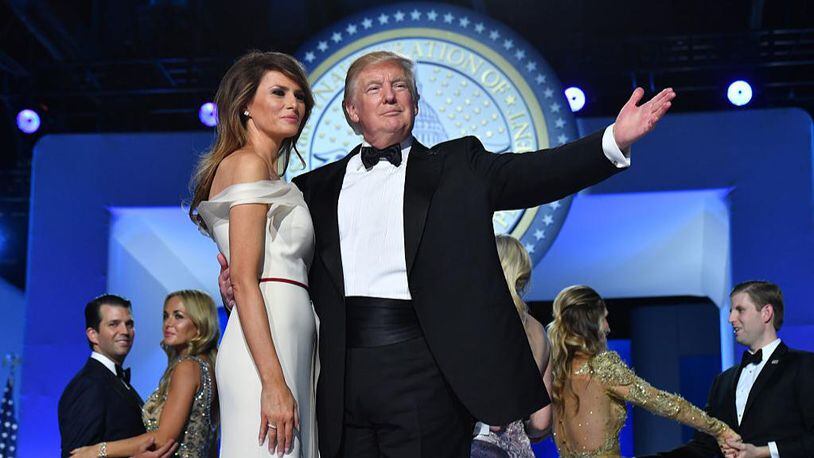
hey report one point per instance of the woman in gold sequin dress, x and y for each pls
(184, 406)
(590, 384)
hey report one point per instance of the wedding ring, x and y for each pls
(272, 426)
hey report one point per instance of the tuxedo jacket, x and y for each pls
(780, 407)
(97, 407)
(454, 276)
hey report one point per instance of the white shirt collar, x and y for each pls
(405, 144)
(108, 363)
(768, 349)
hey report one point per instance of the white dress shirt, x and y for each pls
(108, 363)
(747, 379)
(371, 228)
(371, 223)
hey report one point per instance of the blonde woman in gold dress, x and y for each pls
(590, 385)
(184, 407)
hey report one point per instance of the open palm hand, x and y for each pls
(634, 122)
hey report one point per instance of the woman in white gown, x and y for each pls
(267, 363)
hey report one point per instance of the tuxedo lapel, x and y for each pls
(326, 220)
(423, 172)
(129, 395)
(771, 366)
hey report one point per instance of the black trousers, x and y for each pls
(397, 404)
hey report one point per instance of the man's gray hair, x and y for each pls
(373, 58)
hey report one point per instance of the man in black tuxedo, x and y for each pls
(99, 404)
(418, 332)
(769, 398)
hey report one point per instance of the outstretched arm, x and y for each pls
(530, 179)
(702, 445)
(622, 383)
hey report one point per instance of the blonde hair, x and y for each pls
(576, 329)
(374, 58)
(235, 92)
(516, 264)
(202, 311)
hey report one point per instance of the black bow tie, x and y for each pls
(371, 156)
(751, 358)
(123, 374)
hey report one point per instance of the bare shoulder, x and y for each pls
(186, 372)
(242, 166)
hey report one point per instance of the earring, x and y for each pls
(246, 113)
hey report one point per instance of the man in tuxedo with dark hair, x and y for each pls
(769, 398)
(99, 404)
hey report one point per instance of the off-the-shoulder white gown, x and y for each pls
(289, 248)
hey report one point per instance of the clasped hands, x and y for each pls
(732, 446)
(147, 449)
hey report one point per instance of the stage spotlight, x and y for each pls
(28, 121)
(739, 93)
(208, 114)
(576, 98)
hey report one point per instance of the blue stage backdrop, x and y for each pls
(735, 187)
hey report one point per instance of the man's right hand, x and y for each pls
(165, 451)
(227, 295)
(743, 450)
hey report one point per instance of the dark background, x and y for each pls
(140, 65)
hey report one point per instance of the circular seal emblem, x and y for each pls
(475, 76)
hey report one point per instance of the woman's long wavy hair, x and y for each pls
(516, 264)
(202, 311)
(576, 329)
(235, 92)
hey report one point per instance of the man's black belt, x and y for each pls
(375, 321)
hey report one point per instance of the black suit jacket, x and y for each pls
(97, 407)
(780, 407)
(458, 289)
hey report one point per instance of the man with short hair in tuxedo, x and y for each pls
(99, 404)
(769, 398)
(418, 331)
